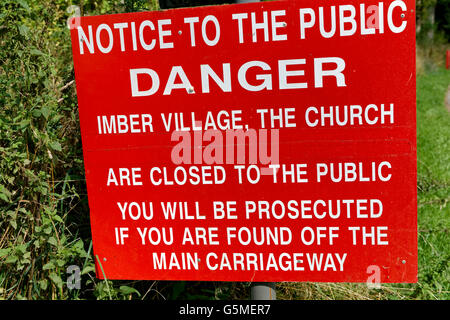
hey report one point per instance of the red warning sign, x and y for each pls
(270, 141)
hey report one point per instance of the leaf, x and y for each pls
(56, 279)
(55, 145)
(24, 4)
(48, 266)
(88, 269)
(57, 218)
(43, 284)
(128, 290)
(22, 248)
(36, 52)
(48, 230)
(4, 197)
(24, 123)
(37, 244)
(23, 30)
(4, 193)
(45, 112)
(11, 259)
(37, 113)
(53, 241)
(13, 224)
(60, 263)
(4, 252)
(79, 245)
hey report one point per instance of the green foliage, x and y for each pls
(44, 222)
(138, 5)
(433, 131)
(433, 152)
(40, 164)
(432, 33)
(443, 17)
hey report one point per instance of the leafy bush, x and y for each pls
(44, 222)
(41, 184)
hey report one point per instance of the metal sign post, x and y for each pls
(263, 291)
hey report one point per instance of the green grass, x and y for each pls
(433, 154)
(433, 131)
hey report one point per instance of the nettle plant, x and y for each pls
(40, 163)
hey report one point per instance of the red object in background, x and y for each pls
(380, 69)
